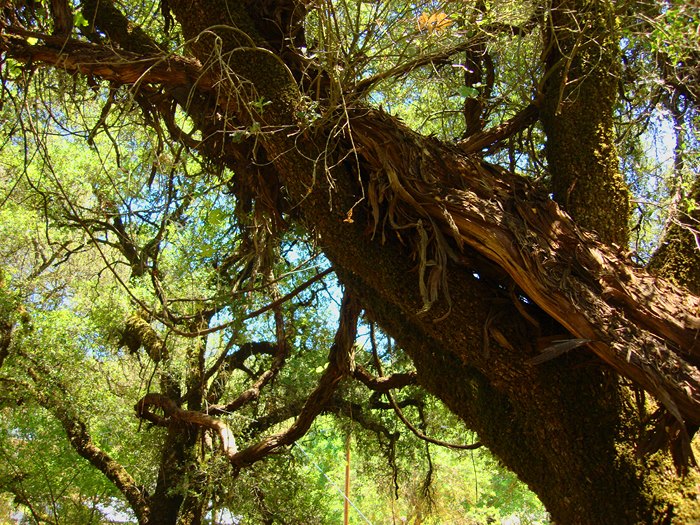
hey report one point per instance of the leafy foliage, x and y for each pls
(159, 294)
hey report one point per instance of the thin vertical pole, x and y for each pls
(346, 516)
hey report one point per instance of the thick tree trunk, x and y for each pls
(499, 271)
(678, 257)
(175, 470)
(560, 425)
(582, 64)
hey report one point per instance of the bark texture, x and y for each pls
(678, 256)
(500, 271)
(582, 65)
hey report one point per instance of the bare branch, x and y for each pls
(487, 138)
(384, 383)
(366, 84)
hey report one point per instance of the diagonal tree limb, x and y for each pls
(584, 285)
(489, 137)
(339, 358)
(81, 441)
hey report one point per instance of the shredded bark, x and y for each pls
(644, 327)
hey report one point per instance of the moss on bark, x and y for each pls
(565, 427)
(678, 255)
(582, 65)
(580, 94)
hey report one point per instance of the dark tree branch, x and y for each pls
(62, 17)
(227, 363)
(322, 394)
(384, 383)
(82, 443)
(489, 137)
(420, 435)
(105, 17)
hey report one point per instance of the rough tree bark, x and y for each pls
(543, 421)
(678, 257)
(582, 61)
(500, 271)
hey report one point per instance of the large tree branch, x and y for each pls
(644, 327)
(94, 61)
(82, 443)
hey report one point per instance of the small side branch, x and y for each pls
(365, 85)
(384, 383)
(487, 138)
(174, 414)
(421, 435)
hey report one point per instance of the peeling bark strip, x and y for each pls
(644, 327)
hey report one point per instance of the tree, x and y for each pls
(539, 332)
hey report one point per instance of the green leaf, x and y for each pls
(468, 91)
(79, 20)
(216, 217)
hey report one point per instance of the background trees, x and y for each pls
(187, 183)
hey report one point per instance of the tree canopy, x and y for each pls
(236, 230)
